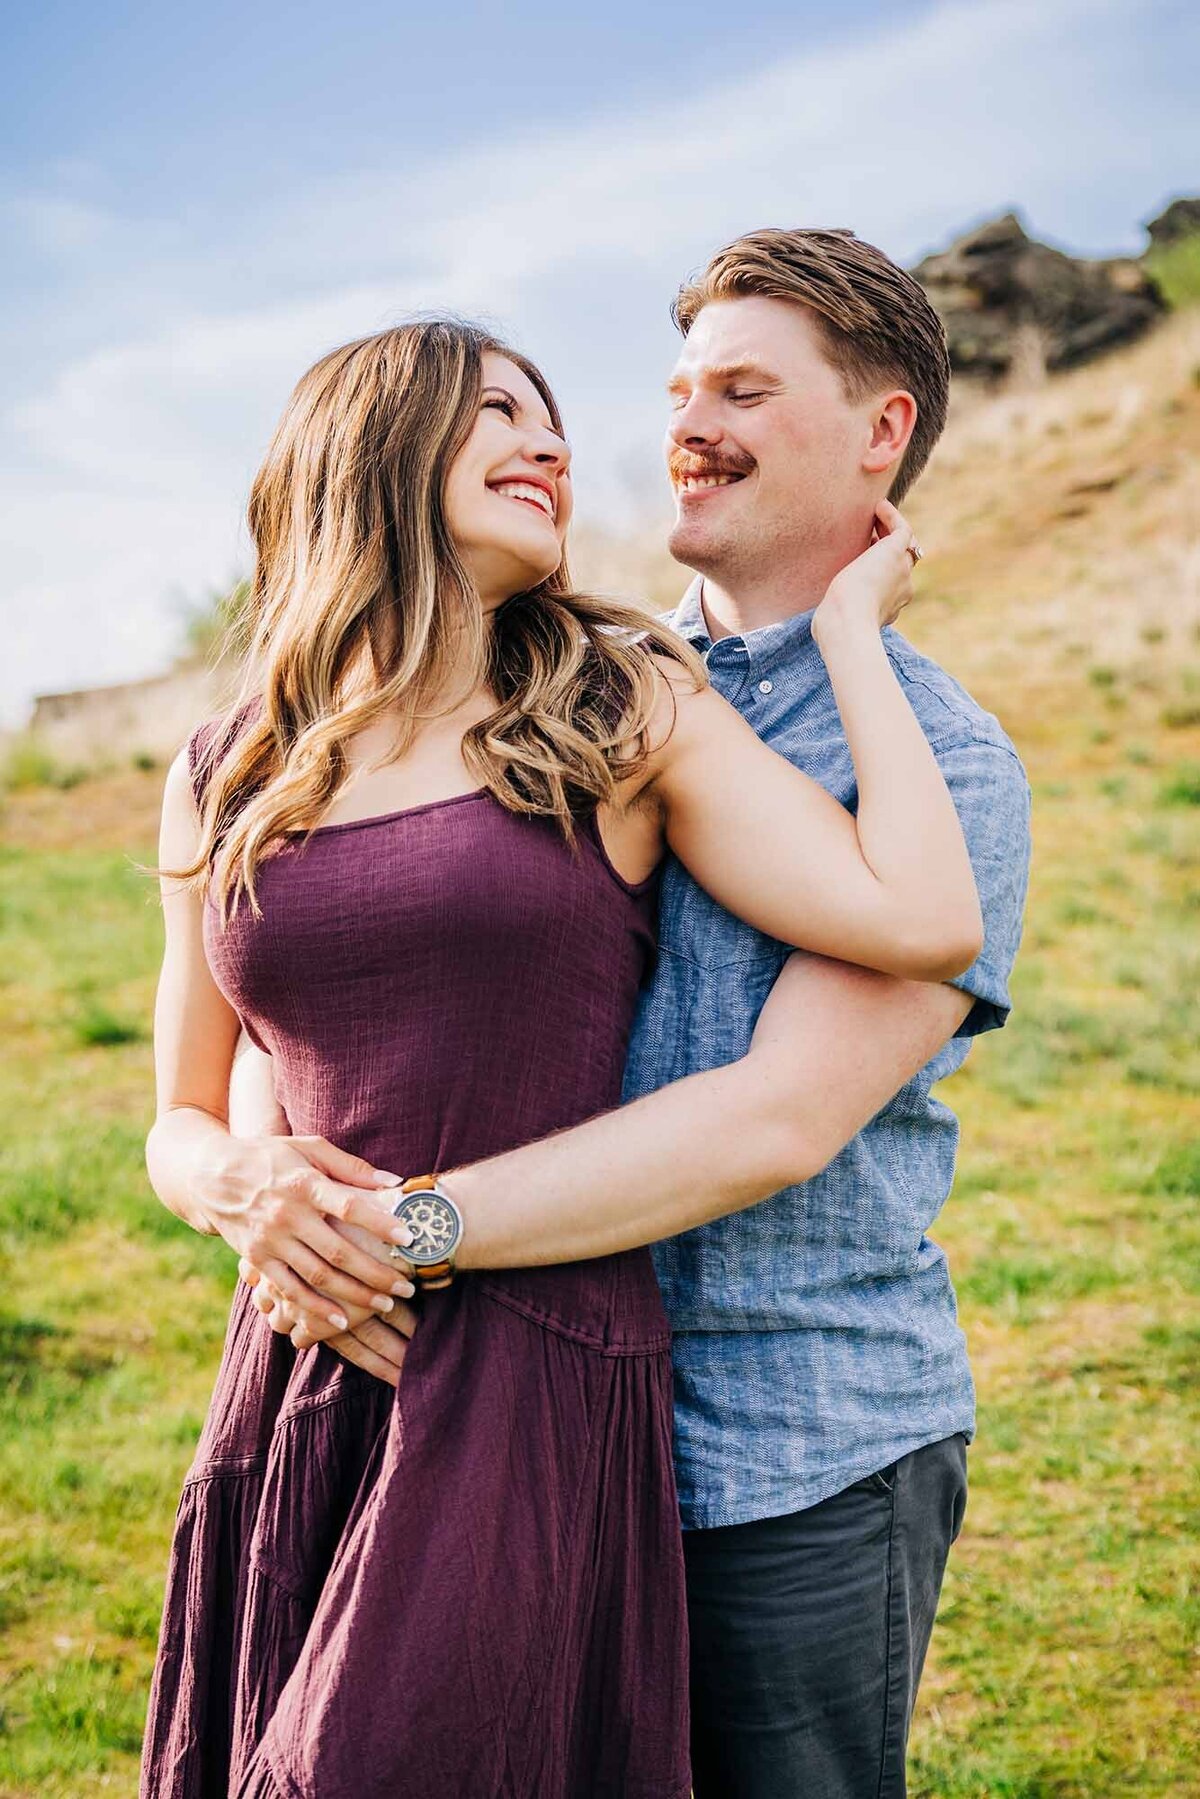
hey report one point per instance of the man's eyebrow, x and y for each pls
(724, 371)
(732, 371)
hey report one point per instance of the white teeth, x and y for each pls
(524, 490)
(690, 483)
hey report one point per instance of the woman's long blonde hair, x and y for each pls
(361, 607)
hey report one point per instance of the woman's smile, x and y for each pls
(530, 490)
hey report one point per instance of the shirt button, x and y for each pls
(765, 686)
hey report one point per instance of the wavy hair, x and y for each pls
(360, 607)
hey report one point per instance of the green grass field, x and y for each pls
(1065, 1660)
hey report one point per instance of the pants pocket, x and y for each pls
(882, 1481)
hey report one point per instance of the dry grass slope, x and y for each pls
(1063, 587)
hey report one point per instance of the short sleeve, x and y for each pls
(991, 795)
(211, 742)
(199, 758)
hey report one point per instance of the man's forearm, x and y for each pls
(648, 1170)
(832, 1046)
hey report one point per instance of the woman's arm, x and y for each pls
(891, 889)
(268, 1196)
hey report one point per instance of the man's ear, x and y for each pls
(891, 428)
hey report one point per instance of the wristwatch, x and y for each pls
(437, 1227)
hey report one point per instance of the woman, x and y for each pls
(417, 863)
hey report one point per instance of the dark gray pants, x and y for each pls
(809, 1632)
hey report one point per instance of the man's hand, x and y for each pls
(377, 1347)
(372, 1343)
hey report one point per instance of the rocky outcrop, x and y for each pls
(1181, 219)
(1008, 301)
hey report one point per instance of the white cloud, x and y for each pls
(138, 452)
(58, 225)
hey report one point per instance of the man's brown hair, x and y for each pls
(878, 326)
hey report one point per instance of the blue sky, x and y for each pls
(192, 208)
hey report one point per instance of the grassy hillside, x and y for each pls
(1064, 589)
(1063, 586)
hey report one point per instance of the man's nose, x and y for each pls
(692, 426)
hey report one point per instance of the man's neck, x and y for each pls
(746, 603)
(731, 613)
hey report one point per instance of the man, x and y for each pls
(824, 1400)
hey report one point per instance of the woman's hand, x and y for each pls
(874, 589)
(889, 886)
(276, 1201)
(306, 1328)
(372, 1343)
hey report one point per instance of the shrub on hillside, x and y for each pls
(1176, 269)
(1182, 787)
(217, 627)
(28, 763)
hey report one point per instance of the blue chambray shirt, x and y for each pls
(816, 1337)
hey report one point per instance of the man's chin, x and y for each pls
(693, 546)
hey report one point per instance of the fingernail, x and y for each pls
(403, 1289)
(381, 1302)
(384, 1179)
(343, 1324)
(401, 1234)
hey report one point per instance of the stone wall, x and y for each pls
(112, 724)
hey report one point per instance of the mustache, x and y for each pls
(682, 463)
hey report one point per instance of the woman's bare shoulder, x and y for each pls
(683, 714)
(179, 829)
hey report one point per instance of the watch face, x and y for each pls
(434, 1226)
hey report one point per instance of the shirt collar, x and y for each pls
(763, 648)
(687, 620)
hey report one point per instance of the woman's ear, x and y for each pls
(891, 428)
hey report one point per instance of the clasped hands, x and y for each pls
(314, 1234)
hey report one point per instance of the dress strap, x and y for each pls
(589, 824)
(211, 742)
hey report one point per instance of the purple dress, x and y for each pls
(471, 1585)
